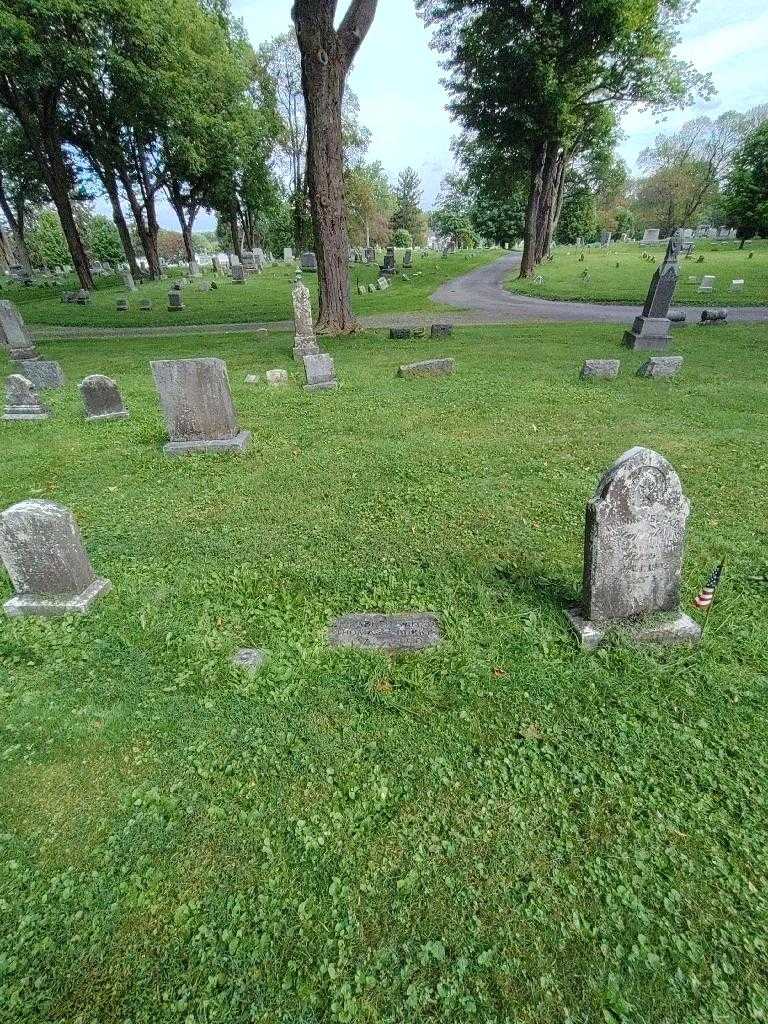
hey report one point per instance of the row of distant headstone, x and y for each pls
(633, 556)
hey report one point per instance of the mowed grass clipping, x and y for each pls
(263, 297)
(500, 829)
(629, 281)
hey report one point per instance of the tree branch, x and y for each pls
(354, 28)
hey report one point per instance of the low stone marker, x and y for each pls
(238, 273)
(83, 297)
(713, 316)
(43, 553)
(428, 368)
(400, 333)
(320, 372)
(15, 339)
(102, 399)
(661, 366)
(252, 378)
(198, 408)
(22, 402)
(411, 631)
(175, 300)
(600, 369)
(707, 283)
(145, 305)
(304, 340)
(441, 330)
(382, 284)
(205, 286)
(737, 284)
(634, 538)
(677, 317)
(45, 374)
(277, 378)
(121, 305)
(250, 658)
(372, 288)
(287, 254)
(362, 290)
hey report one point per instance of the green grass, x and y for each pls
(628, 282)
(264, 297)
(502, 829)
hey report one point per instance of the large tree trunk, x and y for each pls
(326, 57)
(57, 180)
(109, 181)
(148, 245)
(234, 228)
(528, 261)
(16, 228)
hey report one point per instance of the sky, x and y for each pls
(397, 80)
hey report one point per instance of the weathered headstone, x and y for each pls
(309, 263)
(707, 283)
(651, 235)
(389, 266)
(441, 330)
(320, 373)
(650, 330)
(661, 366)
(413, 631)
(633, 555)
(234, 259)
(382, 284)
(372, 288)
(22, 402)
(145, 305)
(408, 259)
(43, 553)
(194, 268)
(205, 286)
(198, 408)
(83, 297)
(121, 305)
(45, 374)
(238, 273)
(710, 317)
(605, 238)
(304, 340)
(370, 254)
(400, 333)
(428, 368)
(128, 281)
(175, 300)
(737, 284)
(276, 378)
(14, 337)
(362, 290)
(600, 369)
(287, 254)
(102, 399)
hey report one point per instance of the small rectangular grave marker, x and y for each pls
(600, 369)
(428, 368)
(413, 631)
(661, 366)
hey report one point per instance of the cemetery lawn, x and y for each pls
(500, 829)
(629, 281)
(265, 297)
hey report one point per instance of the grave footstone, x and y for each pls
(145, 305)
(277, 378)
(400, 333)
(707, 283)
(382, 284)
(634, 538)
(251, 659)
(45, 374)
(15, 339)
(197, 404)
(600, 369)
(320, 373)
(411, 631)
(304, 340)
(650, 330)
(661, 366)
(43, 552)
(427, 368)
(121, 305)
(737, 284)
(441, 330)
(175, 300)
(102, 399)
(22, 401)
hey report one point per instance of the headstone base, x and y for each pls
(668, 632)
(325, 385)
(122, 415)
(18, 355)
(30, 413)
(51, 605)
(648, 333)
(236, 444)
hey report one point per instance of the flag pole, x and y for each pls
(721, 567)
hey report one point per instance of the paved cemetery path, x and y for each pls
(482, 291)
(478, 298)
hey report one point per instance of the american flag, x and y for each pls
(707, 594)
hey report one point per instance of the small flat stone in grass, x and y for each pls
(428, 368)
(410, 631)
(400, 333)
(600, 369)
(252, 378)
(277, 378)
(250, 658)
(660, 366)
(441, 330)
